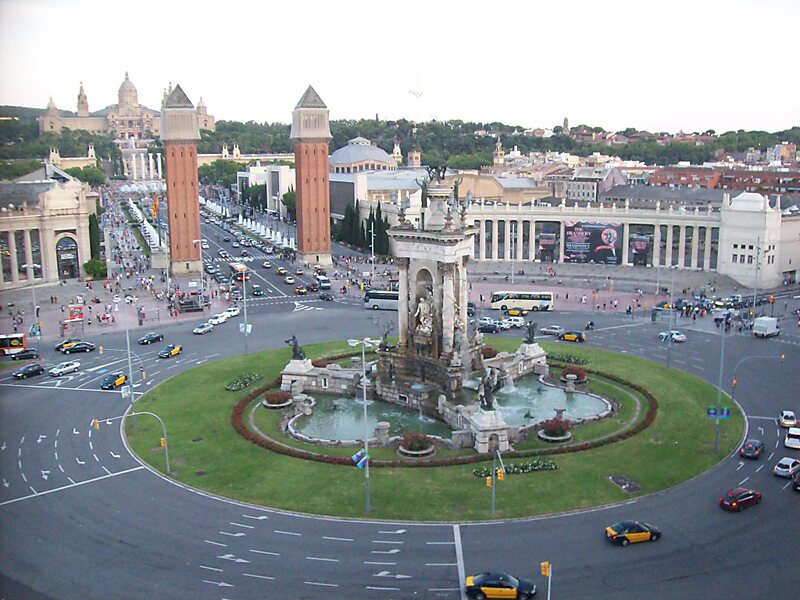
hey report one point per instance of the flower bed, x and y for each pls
(276, 399)
(242, 382)
(579, 372)
(540, 464)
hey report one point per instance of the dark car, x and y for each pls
(326, 296)
(257, 291)
(25, 354)
(149, 338)
(498, 585)
(113, 381)
(752, 449)
(489, 328)
(796, 482)
(470, 309)
(313, 287)
(28, 371)
(739, 498)
(631, 532)
(79, 347)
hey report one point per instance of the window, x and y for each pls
(750, 247)
(736, 246)
(749, 259)
(733, 258)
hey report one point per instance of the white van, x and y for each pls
(792, 439)
(515, 321)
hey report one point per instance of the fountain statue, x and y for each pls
(297, 350)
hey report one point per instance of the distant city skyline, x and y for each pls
(681, 65)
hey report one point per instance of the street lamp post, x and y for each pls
(202, 272)
(719, 390)
(365, 343)
(671, 311)
(781, 357)
(31, 268)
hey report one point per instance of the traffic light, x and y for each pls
(501, 474)
(489, 481)
(771, 299)
(734, 384)
(545, 568)
(783, 357)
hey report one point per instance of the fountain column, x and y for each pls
(150, 166)
(403, 303)
(448, 314)
(133, 166)
(158, 164)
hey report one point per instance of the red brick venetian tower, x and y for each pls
(180, 133)
(311, 134)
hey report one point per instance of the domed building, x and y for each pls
(359, 155)
(126, 119)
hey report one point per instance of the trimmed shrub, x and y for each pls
(321, 362)
(276, 397)
(416, 442)
(488, 352)
(569, 359)
(555, 427)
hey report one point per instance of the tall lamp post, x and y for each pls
(31, 268)
(365, 343)
(202, 273)
(671, 312)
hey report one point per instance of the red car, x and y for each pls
(739, 498)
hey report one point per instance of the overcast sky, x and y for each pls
(650, 64)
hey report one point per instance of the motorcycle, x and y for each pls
(590, 326)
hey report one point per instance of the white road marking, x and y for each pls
(441, 564)
(61, 468)
(771, 455)
(233, 558)
(258, 576)
(30, 487)
(113, 455)
(91, 447)
(95, 458)
(216, 543)
(440, 543)
(72, 481)
(75, 431)
(237, 534)
(322, 559)
(241, 525)
(741, 464)
(383, 589)
(106, 470)
(25, 479)
(267, 552)
(759, 468)
(761, 430)
(211, 568)
(788, 483)
(65, 487)
(392, 551)
(337, 539)
(287, 532)
(321, 584)
(399, 531)
(391, 576)
(218, 583)
(743, 480)
(45, 474)
(366, 562)
(41, 437)
(386, 542)
(459, 557)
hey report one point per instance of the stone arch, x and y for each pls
(423, 282)
(67, 257)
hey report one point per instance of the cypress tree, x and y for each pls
(94, 237)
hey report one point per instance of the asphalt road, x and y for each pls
(81, 518)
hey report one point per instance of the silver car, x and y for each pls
(787, 467)
(555, 330)
(70, 366)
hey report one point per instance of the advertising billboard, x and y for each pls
(593, 242)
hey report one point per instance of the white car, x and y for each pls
(218, 319)
(70, 366)
(233, 311)
(486, 321)
(676, 336)
(555, 330)
(787, 418)
(787, 467)
(504, 325)
(203, 328)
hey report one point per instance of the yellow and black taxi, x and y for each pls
(630, 532)
(516, 311)
(301, 290)
(170, 351)
(498, 585)
(573, 336)
(113, 380)
(281, 271)
(66, 344)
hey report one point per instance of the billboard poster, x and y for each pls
(640, 243)
(593, 242)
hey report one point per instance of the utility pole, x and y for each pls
(372, 236)
(758, 265)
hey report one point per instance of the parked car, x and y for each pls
(70, 366)
(752, 449)
(739, 498)
(30, 370)
(516, 322)
(498, 585)
(573, 336)
(26, 354)
(787, 418)
(79, 347)
(555, 330)
(631, 532)
(787, 467)
(218, 319)
(489, 327)
(149, 338)
(170, 351)
(203, 328)
(674, 335)
(113, 381)
(486, 321)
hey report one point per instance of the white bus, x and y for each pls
(239, 271)
(382, 300)
(533, 301)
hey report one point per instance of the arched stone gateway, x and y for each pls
(67, 258)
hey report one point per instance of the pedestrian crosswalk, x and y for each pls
(301, 306)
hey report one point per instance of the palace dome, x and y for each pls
(127, 93)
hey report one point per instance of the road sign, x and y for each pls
(126, 391)
(711, 411)
(725, 412)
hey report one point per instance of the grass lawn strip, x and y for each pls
(207, 453)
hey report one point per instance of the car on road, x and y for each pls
(796, 482)
(631, 532)
(170, 351)
(203, 328)
(787, 418)
(326, 296)
(66, 344)
(555, 330)
(288, 280)
(787, 467)
(516, 311)
(752, 449)
(235, 244)
(70, 366)
(504, 324)
(149, 338)
(26, 354)
(498, 585)
(486, 320)
(232, 311)
(226, 239)
(257, 291)
(792, 439)
(298, 272)
(30, 370)
(281, 271)
(79, 347)
(674, 335)
(301, 290)
(218, 319)
(266, 264)
(244, 253)
(573, 336)
(113, 380)
(313, 287)
(516, 322)
(739, 498)
(489, 327)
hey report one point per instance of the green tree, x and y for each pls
(95, 268)
(222, 172)
(12, 170)
(94, 237)
(91, 175)
(290, 202)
